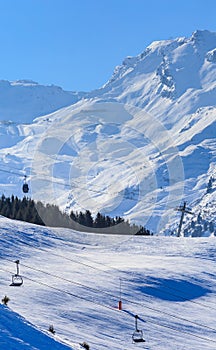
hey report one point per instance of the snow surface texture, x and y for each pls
(17, 334)
(74, 281)
(138, 147)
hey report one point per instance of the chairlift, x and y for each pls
(137, 336)
(17, 280)
(25, 187)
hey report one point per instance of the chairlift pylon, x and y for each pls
(137, 336)
(17, 280)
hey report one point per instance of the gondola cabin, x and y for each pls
(25, 188)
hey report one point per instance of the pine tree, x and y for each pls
(88, 219)
(209, 186)
(81, 219)
(33, 212)
(211, 226)
(100, 221)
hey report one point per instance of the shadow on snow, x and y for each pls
(172, 290)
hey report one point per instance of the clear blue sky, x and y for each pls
(76, 44)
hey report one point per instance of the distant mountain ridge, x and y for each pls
(120, 146)
(23, 100)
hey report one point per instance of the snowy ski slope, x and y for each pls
(72, 280)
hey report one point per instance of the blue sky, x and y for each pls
(76, 44)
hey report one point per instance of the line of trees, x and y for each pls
(28, 210)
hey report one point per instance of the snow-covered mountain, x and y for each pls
(138, 147)
(23, 100)
(180, 69)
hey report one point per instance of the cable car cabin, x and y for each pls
(137, 336)
(17, 281)
(25, 188)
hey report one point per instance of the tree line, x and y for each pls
(28, 210)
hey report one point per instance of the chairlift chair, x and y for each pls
(17, 280)
(137, 336)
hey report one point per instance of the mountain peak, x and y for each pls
(203, 34)
(174, 66)
(205, 38)
(25, 82)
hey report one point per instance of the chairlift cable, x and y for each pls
(125, 299)
(181, 331)
(12, 172)
(120, 271)
(169, 314)
(63, 291)
(114, 296)
(113, 309)
(75, 184)
(67, 280)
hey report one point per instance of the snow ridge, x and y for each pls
(23, 100)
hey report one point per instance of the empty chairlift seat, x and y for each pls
(17, 280)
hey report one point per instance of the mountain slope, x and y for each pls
(173, 69)
(16, 333)
(74, 280)
(138, 147)
(23, 100)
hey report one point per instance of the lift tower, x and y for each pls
(183, 210)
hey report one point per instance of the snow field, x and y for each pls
(72, 280)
